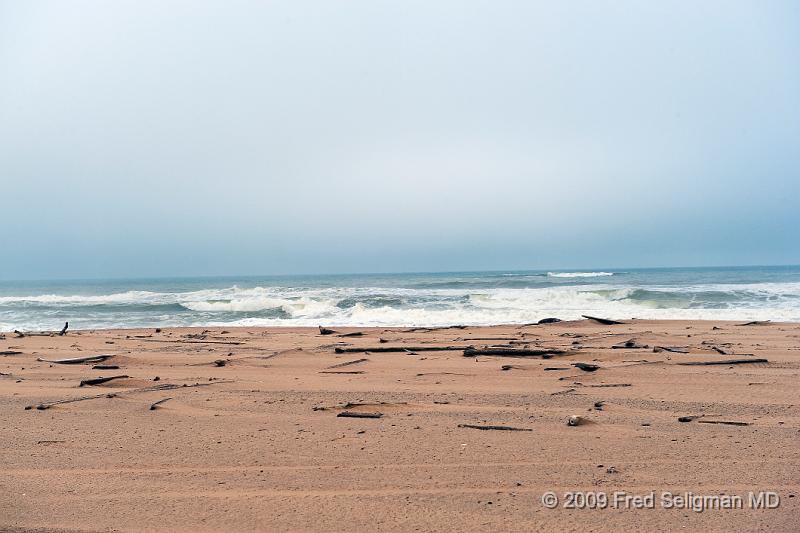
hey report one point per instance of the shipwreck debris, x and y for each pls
(355, 414)
(100, 381)
(493, 428)
(400, 349)
(724, 362)
(77, 360)
(156, 405)
(348, 363)
(545, 353)
(605, 321)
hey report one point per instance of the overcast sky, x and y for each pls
(153, 138)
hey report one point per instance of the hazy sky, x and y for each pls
(151, 138)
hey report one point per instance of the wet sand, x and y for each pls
(254, 442)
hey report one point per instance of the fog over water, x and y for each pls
(149, 138)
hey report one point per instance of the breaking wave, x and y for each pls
(444, 302)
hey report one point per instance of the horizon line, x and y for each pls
(389, 273)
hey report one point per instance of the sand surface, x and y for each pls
(259, 446)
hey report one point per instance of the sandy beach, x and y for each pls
(256, 440)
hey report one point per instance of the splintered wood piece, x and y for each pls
(348, 363)
(155, 405)
(725, 422)
(99, 381)
(77, 360)
(514, 352)
(354, 414)
(605, 321)
(724, 362)
(493, 428)
(161, 387)
(400, 349)
(673, 349)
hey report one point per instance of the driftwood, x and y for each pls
(341, 372)
(673, 349)
(348, 363)
(350, 405)
(43, 406)
(155, 405)
(442, 374)
(161, 387)
(105, 367)
(556, 368)
(719, 350)
(605, 321)
(354, 414)
(493, 428)
(629, 344)
(353, 334)
(64, 329)
(724, 362)
(512, 339)
(10, 352)
(586, 367)
(545, 353)
(612, 385)
(326, 331)
(754, 323)
(77, 360)
(726, 422)
(99, 381)
(401, 349)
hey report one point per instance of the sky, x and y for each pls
(180, 138)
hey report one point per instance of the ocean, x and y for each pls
(432, 299)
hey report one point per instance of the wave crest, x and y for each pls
(579, 274)
(401, 306)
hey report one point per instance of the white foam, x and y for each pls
(294, 307)
(422, 307)
(579, 274)
(116, 298)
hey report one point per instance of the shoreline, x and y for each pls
(623, 321)
(256, 440)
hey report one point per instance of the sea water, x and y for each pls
(423, 299)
